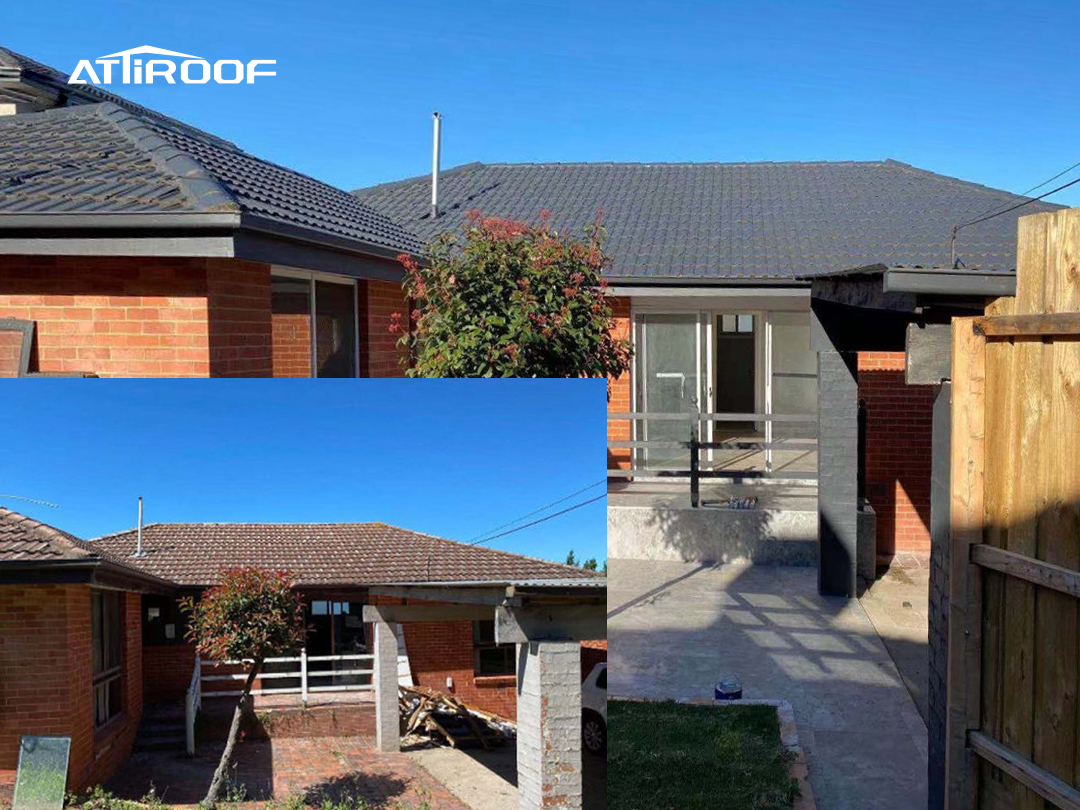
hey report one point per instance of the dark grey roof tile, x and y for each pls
(730, 220)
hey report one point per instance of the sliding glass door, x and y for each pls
(731, 362)
(314, 325)
(668, 373)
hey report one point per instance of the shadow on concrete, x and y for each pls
(682, 626)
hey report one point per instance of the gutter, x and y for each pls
(191, 221)
(704, 283)
(943, 281)
(91, 564)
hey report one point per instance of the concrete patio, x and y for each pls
(673, 627)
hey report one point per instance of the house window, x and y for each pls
(314, 325)
(106, 632)
(490, 658)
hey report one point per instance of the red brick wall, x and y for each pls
(238, 296)
(441, 649)
(622, 400)
(292, 343)
(898, 448)
(377, 301)
(115, 317)
(45, 678)
(166, 671)
(592, 653)
(10, 353)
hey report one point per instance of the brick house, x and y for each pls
(133, 244)
(734, 281)
(90, 632)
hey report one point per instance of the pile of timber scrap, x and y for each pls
(439, 716)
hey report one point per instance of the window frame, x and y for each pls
(104, 681)
(481, 645)
(312, 277)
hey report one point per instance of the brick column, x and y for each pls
(549, 725)
(387, 724)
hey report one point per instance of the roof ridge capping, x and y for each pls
(200, 187)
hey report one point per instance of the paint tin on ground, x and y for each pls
(729, 687)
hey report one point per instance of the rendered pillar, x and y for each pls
(549, 725)
(838, 464)
(387, 723)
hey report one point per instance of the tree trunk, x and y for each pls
(221, 774)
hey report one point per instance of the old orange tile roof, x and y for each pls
(23, 539)
(193, 554)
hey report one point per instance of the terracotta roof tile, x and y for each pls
(193, 554)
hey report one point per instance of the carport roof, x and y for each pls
(327, 554)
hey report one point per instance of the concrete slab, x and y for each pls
(654, 521)
(673, 627)
(898, 605)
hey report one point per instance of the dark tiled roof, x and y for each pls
(322, 554)
(730, 220)
(24, 539)
(104, 154)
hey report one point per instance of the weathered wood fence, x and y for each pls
(1013, 727)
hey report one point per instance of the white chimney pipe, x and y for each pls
(435, 165)
(138, 549)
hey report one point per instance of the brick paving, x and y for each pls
(318, 768)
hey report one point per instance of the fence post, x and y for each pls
(303, 675)
(695, 463)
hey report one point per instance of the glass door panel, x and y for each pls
(335, 329)
(669, 382)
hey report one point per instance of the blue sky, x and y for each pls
(452, 458)
(980, 90)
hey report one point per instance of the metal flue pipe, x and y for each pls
(436, 146)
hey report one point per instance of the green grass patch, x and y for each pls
(670, 756)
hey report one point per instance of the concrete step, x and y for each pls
(159, 742)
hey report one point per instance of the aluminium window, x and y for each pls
(315, 325)
(490, 658)
(106, 633)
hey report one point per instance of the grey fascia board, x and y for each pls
(136, 221)
(801, 291)
(273, 227)
(703, 281)
(949, 282)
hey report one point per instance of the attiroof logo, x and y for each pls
(192, 70)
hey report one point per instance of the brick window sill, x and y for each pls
(494, 681)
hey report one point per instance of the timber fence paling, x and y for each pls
(1014, 626)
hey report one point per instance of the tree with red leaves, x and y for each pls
(509, 299)
(251, 615)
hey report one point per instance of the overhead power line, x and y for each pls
(30, 500)
(952, 250)
(1028, 191)
(536, 511)
(540, 520)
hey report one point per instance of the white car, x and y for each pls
(594, 710)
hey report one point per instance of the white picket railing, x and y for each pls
(304, 673)
(192, 705)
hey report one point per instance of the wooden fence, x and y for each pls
(1013, 725)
